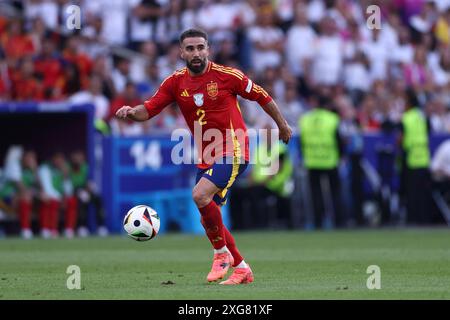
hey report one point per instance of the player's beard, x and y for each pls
(197, 68)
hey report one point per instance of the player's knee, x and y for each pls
(201, 199)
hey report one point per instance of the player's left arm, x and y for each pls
(273, 111)
(247, 89)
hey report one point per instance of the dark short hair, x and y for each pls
(193, 33)
(411, 98)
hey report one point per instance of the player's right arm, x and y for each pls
(138, 113)
(153, 106)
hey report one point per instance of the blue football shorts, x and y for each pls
(223, 175)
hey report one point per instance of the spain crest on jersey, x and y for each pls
(212, 89)
(198, 99)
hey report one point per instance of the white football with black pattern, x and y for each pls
(141, 223)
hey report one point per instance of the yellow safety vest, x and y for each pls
(415, 139)
(318, 139)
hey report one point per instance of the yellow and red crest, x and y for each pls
(212, 89)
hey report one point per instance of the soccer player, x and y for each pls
(206, 94)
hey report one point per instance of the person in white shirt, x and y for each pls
(356, 76)
(46, 10)
(114, 15)
(121, 73)
(267, 41)
(440, 163)
(377, 51)
(93, 95)
(328, 54)
(299, 42)
(440, 170)
(217, 18)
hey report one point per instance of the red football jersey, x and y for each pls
(210, 107)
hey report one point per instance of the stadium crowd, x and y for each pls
(295, 49)
(291, 47)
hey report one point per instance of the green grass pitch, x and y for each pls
(414, 264)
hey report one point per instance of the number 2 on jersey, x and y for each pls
(201, 113)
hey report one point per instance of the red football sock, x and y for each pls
(24, 208)
(212, 222)
(231, 245)
(54, 215)
(44, 215)
(71, 213)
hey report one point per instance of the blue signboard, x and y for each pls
(140, 170)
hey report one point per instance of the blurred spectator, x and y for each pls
(189, 14)
(351, 134)
(114, 14)
(144, 16)
(72, 81)
(442, 30)
(125, 127)
(439, 116)
(4, 80)
(218, 19)
(171, 61)
(377, 50)
(416, 161)
(397, 100)
(16, 42)
(285, 13)
(43, 9)
(57, 194)
(120, 75)
(404, 52)
(26, 86)
(93, 95)
(227, 53)
(370, 117)
(321, 149)
(356, 76)
(49, 66)
(316, 11)
(91, 41)
(38, 33)
(440, 168)
(267, 40)
(102, 69)
(417, 74)
(299, 53)
(148, 55)
(291, 107)
(151, 82)
(270, 191)
(73, 54)
(439, 65)
(20, 188)
(328, 54)
(87, 194)
(422, 22)
(170, 23)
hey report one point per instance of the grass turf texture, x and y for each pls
(414, 264)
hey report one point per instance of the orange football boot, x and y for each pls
(221, 264)
(240, 276)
